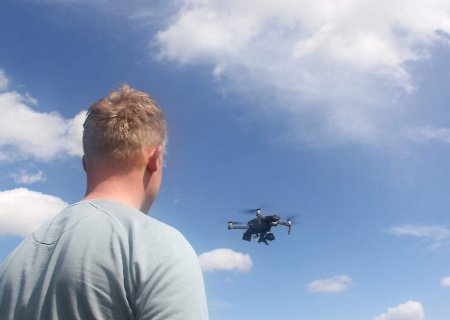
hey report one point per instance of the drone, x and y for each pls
(260, 226)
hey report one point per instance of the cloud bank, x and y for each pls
(411, 310)
(225, 259)
(23, 210)
(335, 284)
(335, 67)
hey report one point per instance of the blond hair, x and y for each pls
(122, 124)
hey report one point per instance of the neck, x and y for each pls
(124, 189)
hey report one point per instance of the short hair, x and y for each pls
(120, 125)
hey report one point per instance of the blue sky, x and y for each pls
(333, 112)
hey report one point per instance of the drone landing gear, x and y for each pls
(262, 239)
(269, 236)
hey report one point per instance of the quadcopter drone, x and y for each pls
(260, 227)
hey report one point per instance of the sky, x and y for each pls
(334, 113)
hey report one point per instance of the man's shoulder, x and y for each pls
(146, 235)
(132, 221)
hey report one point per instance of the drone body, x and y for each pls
(260, 227)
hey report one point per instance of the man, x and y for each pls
(102, 258)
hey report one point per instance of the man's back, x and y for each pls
(100, 259)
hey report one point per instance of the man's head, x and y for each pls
(119, 126)
(122, 134)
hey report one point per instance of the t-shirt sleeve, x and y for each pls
(169, 282)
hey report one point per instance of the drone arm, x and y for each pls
(232, 225)
(287, 223)
(237, 227)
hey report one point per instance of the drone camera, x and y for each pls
(270, 236)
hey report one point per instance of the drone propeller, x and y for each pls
(293, 219)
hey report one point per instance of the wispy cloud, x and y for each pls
(411, 310)
(25, 132)
(225, 259)
(437, 236)
(26, 177)
(23, 210)
(335, 284)
(445, 282)
(429, 133)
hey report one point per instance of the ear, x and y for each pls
(154, 159)
(83, 160)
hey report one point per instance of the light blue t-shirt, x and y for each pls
(100, 259)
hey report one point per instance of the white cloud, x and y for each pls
(411, 310)
(438, 236)
(74, 144)
(25, 132)
(334, 64)
(445, 282)
(3, 80)
(23, 210)
(225, 259)
(372, 36)
(335, 284)
(25, 177)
